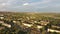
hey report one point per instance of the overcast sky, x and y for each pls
(30, 5)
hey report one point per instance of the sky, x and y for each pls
(30, 5)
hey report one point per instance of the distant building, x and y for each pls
(39, 27)
(44, 23)
(1, 16)
(52, 30)
(27, 25)
(5, 24)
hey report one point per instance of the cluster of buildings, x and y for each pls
(29, 24)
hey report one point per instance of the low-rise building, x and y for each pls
(52, 30)
(1, 16)
(26, 24)
(44, 23)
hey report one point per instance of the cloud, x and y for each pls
(25, 4)
(30, 5)
(34, 4)
(42, 2)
